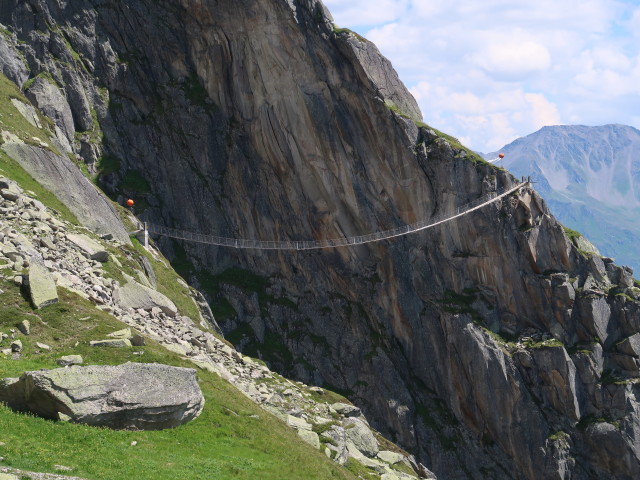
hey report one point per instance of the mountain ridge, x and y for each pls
(590, 177)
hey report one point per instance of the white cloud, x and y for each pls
(507, 60)
(356, 13)
(490, 71)
(543, 112)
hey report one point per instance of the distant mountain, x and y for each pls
(590, 177)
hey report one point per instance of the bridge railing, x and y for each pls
(332, 242)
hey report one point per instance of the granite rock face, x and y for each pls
(60, 175)
(134, 396)
(485, 346)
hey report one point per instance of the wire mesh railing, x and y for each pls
(334, 242)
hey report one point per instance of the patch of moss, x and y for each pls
(591, 419)
(560, 435)
(609, 377)
(108, 164)
(45, 75)
(197, 94)
(134, 183)
(436, 417)
(550, 343)
(571, 234)
(11, 169)
(345, 31)
(461, 303)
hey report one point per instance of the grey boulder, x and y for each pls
(361, 436)
(90, 247)
(69, 360)
(132, 396)
(42, 286)
(133, 295)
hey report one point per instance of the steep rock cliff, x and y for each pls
(490, 346)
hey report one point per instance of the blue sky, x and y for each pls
(491, 71)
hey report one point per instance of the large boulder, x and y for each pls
(42, 287)
(91, 248)
(132, 396)
(134, 295)
(361, 436)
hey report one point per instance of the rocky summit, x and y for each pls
(496, 345)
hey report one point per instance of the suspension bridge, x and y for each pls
(470, 207)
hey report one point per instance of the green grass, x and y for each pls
(45, 75)
(456, 145)
(345, 31)
(11, 169)
(453, 141)
(217, 444)
(134, 183)
(130, 257)
(13, 121)
(550, 343)
(94, 135)
(197, 94)
(167, 282)
(571, 234)
(358, 469)
(108, 164)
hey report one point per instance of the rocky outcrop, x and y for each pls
(48, 97)
(136, 396)
(12, 64)
(59, 175)
(206, 114)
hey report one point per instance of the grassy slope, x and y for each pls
(218, 444)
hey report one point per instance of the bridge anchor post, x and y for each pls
(143, 236)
